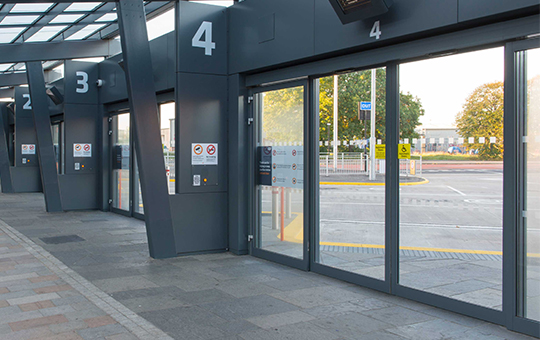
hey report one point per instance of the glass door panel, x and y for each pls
(451, 180)
(351, 233)
(280, 189)
(121, 162)
(530, 246)
(138, 206)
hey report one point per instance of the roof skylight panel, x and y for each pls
(107, 17)
(19, 19)
(5, 67)
(85, 32)
(46, 33)
(82, 7)
(31, 8)
(8, 34)
(66, 18)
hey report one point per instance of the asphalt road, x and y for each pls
(457, 209)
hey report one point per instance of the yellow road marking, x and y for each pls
(294, 233)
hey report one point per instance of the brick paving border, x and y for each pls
(137, 325)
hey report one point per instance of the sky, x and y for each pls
(443, 84)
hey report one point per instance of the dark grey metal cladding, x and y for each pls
(403, 18)
(80, 82)
(79, 192)
(238, 170)
(147, 137)
(5, 172)
(25, 132)
(200, 222)
(202, 103)
(26, 179)
(81, 128)
(194, 59)
(310, 28)
(469, 10)
(42, 123)
(163, 52)
(250, 45)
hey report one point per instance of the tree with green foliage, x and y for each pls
(283, 115)
(353, 88)
(482, 116)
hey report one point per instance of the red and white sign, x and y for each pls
(204, 154)
(28, 149)
(82, 150)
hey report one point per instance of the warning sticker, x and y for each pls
(380, 151)
(404, 151)
(28, 149)
(204, 154)
(82, 150)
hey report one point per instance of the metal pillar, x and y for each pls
(336, 99)
(5, 169)
(146, 128)
(42, 123)
(372, 138)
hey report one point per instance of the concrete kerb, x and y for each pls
(140, 327)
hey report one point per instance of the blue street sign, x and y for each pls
(365, 105)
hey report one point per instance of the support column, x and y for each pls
(146, 128)
(45, 149)
(5, 171)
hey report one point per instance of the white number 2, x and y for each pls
(376, 30)
(28, 104)
(83, 82)
(207, 44)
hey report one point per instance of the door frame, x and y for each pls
(254, 110)
(514, 184)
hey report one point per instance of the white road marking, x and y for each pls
(456, 190)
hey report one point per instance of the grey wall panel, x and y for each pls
(80, 82)
(200, 222)
(404, 17)
(79, 192)
(160, 67)
(251, 43)
(476, 9)
(26, 179)
(114, 87)
(195, 59)
(5, 173)
(202, 104)
(163, 65)
(81, 127)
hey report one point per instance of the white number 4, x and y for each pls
(376, 30)
(207, 44)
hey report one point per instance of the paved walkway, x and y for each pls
(88, 275)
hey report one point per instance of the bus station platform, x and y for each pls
(87, 275)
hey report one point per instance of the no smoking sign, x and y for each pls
(82, 150)
(204, 154)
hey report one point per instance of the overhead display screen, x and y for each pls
(354, 10)
(350, 5)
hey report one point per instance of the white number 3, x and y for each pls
(376, 30)
(207, 44)
(83, 82)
